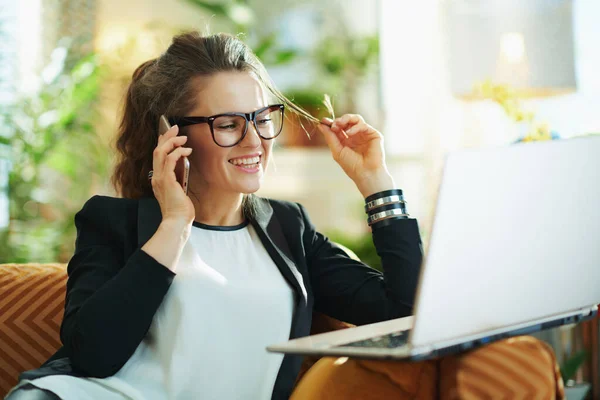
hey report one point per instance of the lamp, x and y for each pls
(527, 45)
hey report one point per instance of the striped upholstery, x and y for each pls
(518, 368)
(31, 309)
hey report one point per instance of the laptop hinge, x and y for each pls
(566, 318)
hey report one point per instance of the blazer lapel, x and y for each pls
(269, 230)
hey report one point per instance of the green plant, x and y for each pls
(344, 60)
(55, 156)
(571, 365)
(361, 245)
(241, 19)
(341, 58)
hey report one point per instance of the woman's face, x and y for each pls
(237, 169)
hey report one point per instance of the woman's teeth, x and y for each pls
(251, 161)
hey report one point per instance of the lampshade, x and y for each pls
(526, 44)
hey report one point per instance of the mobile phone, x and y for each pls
(182, 168)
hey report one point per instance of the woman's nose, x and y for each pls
(252, 139)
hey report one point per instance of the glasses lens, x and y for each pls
(228, 129)
(269, 122)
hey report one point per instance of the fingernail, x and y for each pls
(327, 122)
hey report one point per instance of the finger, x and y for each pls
(341, 134)
(172, 132)
(171, 143)
(168, 146)
(327, 121)
(175, 155)
(161, 152)
(332, 139)
(361, 128)
(348, 120)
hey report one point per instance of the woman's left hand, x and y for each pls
(358, 148)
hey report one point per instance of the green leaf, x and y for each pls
(305, 97)
(52, 130)
(362, 246)
(285, 56)
(63, 163)
(335, 65)
(265, 44)
(572, 365)
(217, 9)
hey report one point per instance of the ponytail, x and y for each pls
(136, 139)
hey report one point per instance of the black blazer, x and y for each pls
(115, 288)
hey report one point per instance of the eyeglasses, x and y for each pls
(230, 129)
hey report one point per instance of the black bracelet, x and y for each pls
(386, 222)
(401, 206)
(385, 193)
(383, 201)
(396, 212)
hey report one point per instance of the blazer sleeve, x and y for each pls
(353, 292)
(110, 300)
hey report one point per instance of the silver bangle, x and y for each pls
(396, 212)
(382, 201)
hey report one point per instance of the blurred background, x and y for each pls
(433, 76)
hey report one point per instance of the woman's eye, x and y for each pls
(264, 121)
(227, 127)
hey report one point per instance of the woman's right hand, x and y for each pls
(166, 245)
(175, 205)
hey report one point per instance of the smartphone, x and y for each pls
(182, 168)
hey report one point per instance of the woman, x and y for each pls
(175, 296)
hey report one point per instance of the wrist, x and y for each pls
(375, 182)
(178, 227)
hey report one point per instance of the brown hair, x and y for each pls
(165, 86)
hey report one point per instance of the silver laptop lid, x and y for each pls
(516, 237)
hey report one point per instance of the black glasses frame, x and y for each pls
(249, 117)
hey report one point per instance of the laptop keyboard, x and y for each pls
(389, 341)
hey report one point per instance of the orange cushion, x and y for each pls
(346, 378)
(31, 311)
(522, 367)
(517, 368)
(320, 323)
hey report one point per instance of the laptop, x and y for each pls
(514, 249)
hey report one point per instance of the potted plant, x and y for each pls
(55, 156)
(574, 390)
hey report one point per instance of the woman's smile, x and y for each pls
(249, 164)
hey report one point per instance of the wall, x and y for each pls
(424, 121)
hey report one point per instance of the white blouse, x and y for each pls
(227, 302)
